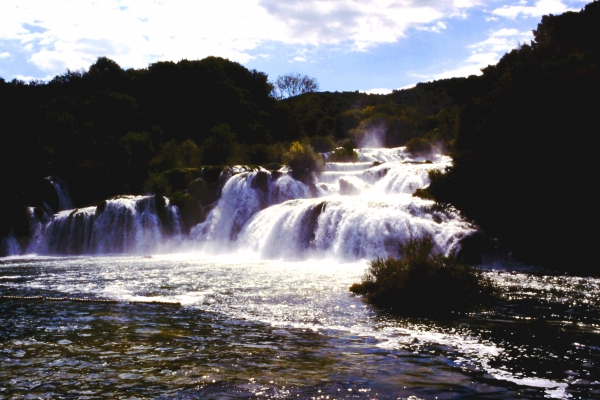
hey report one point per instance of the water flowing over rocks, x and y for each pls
(351, 211)
(62, 191)
(354, 211)
(126, 224)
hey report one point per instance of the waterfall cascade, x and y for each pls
(62, 191)
(126, 224)
(10, 246)
(354, 210)
(351, 211)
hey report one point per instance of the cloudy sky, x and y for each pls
(367, 45)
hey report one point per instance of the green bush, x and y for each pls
(220, 147)
(421, 282)
(322, 144)
(157, 183)
(344, 154)
(419, 146)
(303, 161)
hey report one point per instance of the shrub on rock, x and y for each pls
(422, 282)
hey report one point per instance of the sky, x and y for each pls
(373, 46)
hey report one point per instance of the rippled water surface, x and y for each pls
(281, 329)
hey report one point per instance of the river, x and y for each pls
(255, 301)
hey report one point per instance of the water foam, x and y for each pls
(354, 211)
(134, 224)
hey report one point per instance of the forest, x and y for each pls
(523, 136)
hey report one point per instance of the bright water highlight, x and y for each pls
(265, 309)
(281, 330)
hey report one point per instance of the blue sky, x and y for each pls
(367, 45)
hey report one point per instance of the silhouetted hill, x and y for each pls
(526, 154)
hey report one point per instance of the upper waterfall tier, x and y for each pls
(353, 211)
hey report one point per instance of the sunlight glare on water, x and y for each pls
(271, 322)
(254, 301)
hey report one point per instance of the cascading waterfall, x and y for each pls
(351, 211)
(244, 195)
(126, 224)
(9, 245)
(62, 191)
(354, 211)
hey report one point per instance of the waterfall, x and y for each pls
(9, 246)
(351, 211)
(244, 195)
(354, 211)
(126, 224)
(62, 191)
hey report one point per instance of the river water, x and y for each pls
(281, 330)
(256, 301)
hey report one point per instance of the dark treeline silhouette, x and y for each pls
(525, 162)
(99, 129)
(109, 131)
(523, 136)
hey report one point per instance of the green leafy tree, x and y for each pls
(220, 147)
(303, 161)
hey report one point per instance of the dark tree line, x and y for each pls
(523, 135)
(109, 131)
(99, 129)
(526, 157)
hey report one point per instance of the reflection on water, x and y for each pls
(281, 330)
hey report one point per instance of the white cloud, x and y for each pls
(466, 3)
(56, 35)
(502, 41)
(412, 85)
(419, 76)
(487, 52)
(5, 54)
(377, 91)
(437, 28)
(387, 91)
(134, 32)
(364, 23)
(541, 7)
(27, 78)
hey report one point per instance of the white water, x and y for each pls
(354, 211)
(10, 246)
(62, 191)
(313, 295)
(127, 224)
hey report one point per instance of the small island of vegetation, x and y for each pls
(422, 282)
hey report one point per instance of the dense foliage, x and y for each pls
(104, 130)
(108, 131)
(526, 156)
(422, 282)
(523, 136)
(303, 161)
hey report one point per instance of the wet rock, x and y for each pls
(348, 189)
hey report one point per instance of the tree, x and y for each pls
(292, 85)
(303, 161)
